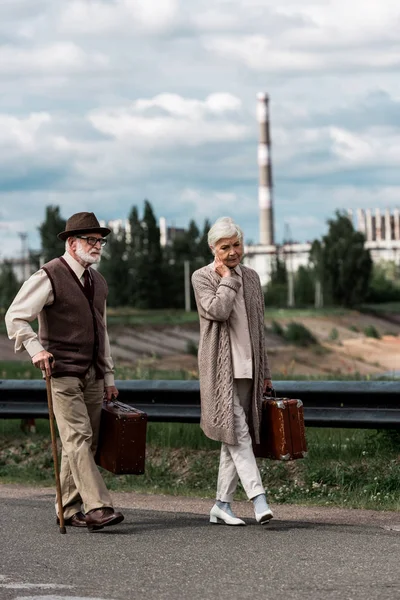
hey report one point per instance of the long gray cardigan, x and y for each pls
(215, 297)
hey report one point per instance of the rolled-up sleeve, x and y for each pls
(35, 293)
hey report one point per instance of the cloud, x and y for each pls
(261, 53)
(379, 145)
(316, 38)
(182, 122)
(121, 16)
(64, 57)
(108, 102)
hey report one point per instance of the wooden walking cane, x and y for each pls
(55, 457)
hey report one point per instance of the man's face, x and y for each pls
(86, 248)
(229, 251)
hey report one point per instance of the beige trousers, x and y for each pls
(77, 406)
(238, 462)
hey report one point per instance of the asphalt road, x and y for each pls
(159, 555)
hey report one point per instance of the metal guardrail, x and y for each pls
(360, 404)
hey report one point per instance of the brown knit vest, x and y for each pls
(72, 328)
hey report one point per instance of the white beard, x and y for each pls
(87, 257)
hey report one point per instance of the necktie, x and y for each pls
(87, 283)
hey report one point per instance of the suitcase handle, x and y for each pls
(123, 407)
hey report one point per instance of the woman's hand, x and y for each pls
(268, 385)
(221, 269)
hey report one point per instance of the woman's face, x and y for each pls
(229, 251)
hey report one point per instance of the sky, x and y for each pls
(106, 103)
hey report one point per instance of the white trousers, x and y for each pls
(238, 462)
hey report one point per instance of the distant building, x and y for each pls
(382, 232)
(167, 233)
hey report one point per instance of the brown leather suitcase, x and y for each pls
(122, 440)
(282, 431)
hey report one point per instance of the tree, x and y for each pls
(347, 264)
(134, 248)
(185, 245)
(276, 291)
(113, 267)
(52, 225)
(149, 264)
(9, 285)
(203, 250)
(383, 286)
(304, 287)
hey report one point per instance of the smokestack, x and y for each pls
(265, 172)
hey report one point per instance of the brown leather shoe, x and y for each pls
(77, 520)
(102, 517)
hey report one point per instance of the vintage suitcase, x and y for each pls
(282, 431)
(122, 440)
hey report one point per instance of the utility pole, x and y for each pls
(289, 265)
(24, 253)
(319, 300)
(186, 265)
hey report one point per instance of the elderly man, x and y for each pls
(69, 299)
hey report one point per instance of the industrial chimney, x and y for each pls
(265, 172)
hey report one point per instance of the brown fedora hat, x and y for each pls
(83, 222)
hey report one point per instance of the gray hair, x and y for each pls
(225, 227)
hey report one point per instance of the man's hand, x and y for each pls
(267, 385)
(45, 361)
(110, 392)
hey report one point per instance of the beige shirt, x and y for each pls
(36, 293)
(242, 358)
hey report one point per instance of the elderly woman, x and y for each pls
(233, 367)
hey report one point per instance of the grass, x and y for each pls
(384, 307)
(292, 313)
(131, 316)
(13, 369)
(25, 370)
(345, 467)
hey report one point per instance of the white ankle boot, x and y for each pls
(262, 511)
(217, 515)
(265, 516)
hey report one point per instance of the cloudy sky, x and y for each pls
(106, 103)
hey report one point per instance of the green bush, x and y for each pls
(192, 348)
(276, 294)
(383, 285)
(298, 334)
(370, 331)
(277, 328)
(354, 328)
(334, 334)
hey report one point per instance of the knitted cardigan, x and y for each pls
(215, 296)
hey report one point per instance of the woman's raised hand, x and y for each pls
(221, 269)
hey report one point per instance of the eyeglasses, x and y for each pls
(92, 241)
